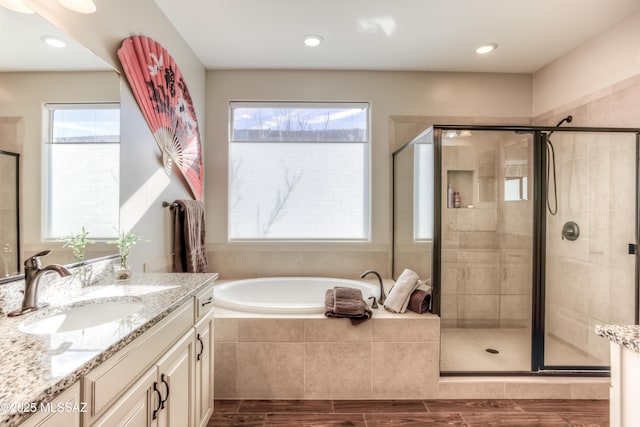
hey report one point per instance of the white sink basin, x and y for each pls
(73, 318)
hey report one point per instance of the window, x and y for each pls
(299, 171)
(82, 157)
(423, 192)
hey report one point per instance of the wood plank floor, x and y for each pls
(411, 413)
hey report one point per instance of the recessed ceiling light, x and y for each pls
(313, 40)
(486, 48)
(53, 41)
(16, 6)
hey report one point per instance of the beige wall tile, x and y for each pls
(270, 370)
(480, 307)
(426, 329)
(225, 369)
(515, 307)
(405, 370)
(323, 264)
(596, 388)
(336, 330)
(270, 330)
(225, 329)
(450, 388)
(337, 371)
(357, 262)
(537, 390)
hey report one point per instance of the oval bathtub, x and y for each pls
(286, 295)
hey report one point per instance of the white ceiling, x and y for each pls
(435, 35)
(22, 50)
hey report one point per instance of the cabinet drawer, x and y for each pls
(515, 255)
(103, 386)
(203, 303)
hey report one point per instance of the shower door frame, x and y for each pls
(17, 207)
(539, 135)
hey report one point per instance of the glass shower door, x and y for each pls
(486, 250)
(589, 274)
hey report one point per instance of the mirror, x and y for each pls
(33, 74)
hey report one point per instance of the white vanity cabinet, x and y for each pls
(624, 410)
(204, 357)
(64, 410)
(175, 384)
(159, 379)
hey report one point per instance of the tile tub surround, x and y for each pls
(313, 357)
(37, 368)
(625, 335)
(391, 356)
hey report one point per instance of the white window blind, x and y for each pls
(299, 171)
(82, 163)
(423, 192)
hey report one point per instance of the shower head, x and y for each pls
(567, 119)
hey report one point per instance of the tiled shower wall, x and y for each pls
(591, 280)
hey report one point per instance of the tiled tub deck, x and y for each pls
(390, 356)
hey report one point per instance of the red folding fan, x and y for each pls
(164, 99)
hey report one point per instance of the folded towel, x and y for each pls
(346, 302)
(398, 298)
(419, 301)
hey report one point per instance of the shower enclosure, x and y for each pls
(529, 235)
(9, 214)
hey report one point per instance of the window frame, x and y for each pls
(48, 109)
(368, 179)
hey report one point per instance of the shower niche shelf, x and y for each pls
(462, 182)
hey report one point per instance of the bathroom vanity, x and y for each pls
(625, 371)
(150, 362)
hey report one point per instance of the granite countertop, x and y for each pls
(625, 335)
(37, 368)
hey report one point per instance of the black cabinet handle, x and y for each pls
(155, 411)
(166, 384)
(207, 302)
(199, 356)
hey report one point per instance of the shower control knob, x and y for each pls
(570, 231)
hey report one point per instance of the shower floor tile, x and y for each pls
(465, 350)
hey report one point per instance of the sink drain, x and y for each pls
(492, 350)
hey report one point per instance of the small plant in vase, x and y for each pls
(78, 243)
(124, 243)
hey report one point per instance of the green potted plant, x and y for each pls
(78, 243)
(124, 242)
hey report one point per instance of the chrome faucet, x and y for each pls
(33, 271)
(382, 294)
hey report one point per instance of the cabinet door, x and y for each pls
(482, 279)
(135, 407)
(175, 376)
(204, 370)
(67, 418)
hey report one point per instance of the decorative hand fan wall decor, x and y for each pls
(163, 97)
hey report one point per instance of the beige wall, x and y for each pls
(391, 94)
(143, 186)
(595, 66)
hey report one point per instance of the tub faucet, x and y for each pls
(33, 271)
(382, 295)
